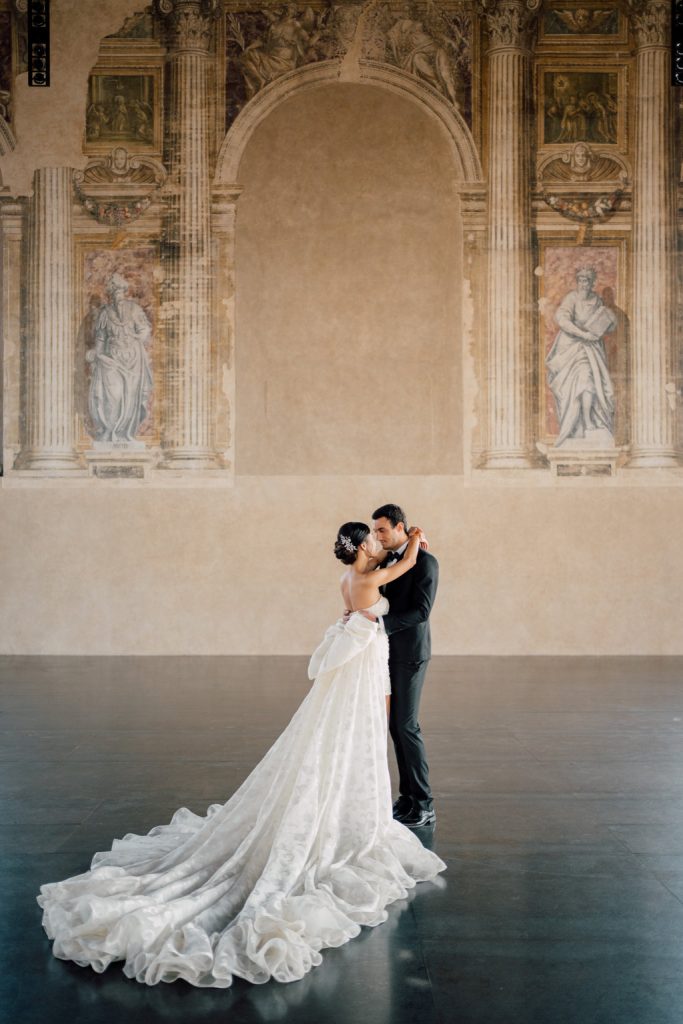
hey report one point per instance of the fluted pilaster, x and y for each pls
(188, 429)
(49, 418)
(509, 234)
(654, 242)
(223, 223)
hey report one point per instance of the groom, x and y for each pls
(410, 597)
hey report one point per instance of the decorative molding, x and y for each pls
(509, 21)
(122, 168)
(584, 20)
(651, 21)
(585, 209)
(590, 23)
(115, 182)
(581, 163)
(114, 213)
(313, 76)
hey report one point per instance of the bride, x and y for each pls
(304, 853)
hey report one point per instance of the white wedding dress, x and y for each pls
(303, 854)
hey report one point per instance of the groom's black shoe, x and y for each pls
(419, 818)
(402, 808)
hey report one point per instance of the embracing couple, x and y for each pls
(392, 560)
(307, 850)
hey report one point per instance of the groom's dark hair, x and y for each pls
(394, 513)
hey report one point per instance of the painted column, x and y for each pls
(49, 434)
(509, 234)
(188, 440)
(653, 440)
(223, 221)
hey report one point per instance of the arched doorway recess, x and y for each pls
(460, 176)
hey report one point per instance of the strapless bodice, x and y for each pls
(380, 607)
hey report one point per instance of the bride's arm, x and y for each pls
(377, 560)
(382, 576)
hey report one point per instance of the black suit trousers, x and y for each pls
(407, 679)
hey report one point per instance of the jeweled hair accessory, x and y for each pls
(347, 544)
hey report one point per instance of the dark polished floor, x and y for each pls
(559, 794)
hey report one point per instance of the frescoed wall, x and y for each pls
(264, 263)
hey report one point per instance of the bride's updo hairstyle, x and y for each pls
(349, 538)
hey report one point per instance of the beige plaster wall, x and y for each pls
(250, 570)
(348, 352)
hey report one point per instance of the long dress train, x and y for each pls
(303, 854)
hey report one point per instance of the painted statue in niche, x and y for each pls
(124, 280)
(557, 275)
(120, 108)
(578, 374)
(580, 106)
(422, 39)
(582, 21)
(121, 381)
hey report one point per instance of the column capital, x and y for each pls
(190, 23)
(509, 22)
(650, 20)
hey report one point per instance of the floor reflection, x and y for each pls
(558, 791)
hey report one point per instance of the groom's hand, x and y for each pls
(347, 614)
(424, 543)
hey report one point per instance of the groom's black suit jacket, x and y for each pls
(410, 598)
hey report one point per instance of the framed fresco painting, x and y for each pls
(585, 104)
(558, 263)
(124, 109)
